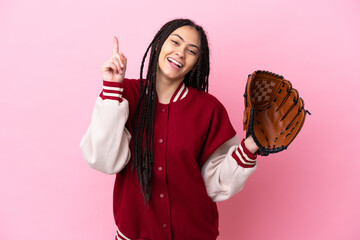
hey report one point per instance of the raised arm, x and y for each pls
(105, 145)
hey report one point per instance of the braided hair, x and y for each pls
(143, 119)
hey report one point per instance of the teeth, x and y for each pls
(176, 62)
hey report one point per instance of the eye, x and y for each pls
(175, 42)
(192, 52)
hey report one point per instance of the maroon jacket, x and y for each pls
(186, 132)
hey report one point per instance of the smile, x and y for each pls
(174, 62)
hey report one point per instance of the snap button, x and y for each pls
(160, 169)
(163, 110)
(161, 141)
(165, 226)
(162, 195)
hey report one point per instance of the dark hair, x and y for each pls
(143, 119)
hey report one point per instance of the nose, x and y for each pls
(180, 52)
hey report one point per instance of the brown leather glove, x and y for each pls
(274, 113)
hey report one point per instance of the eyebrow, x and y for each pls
(193, 45)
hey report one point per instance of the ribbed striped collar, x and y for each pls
(180, 93)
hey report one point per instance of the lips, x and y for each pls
(174, 63)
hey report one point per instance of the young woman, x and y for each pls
(170, 143)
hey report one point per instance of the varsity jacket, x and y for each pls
(198, 160)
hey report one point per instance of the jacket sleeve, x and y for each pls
(105, 145)
(227, 169)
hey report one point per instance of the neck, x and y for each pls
(165, 88)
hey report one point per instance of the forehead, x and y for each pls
(189, 34)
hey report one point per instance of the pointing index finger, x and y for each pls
(116, 45)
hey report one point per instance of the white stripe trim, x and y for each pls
(113, 88)
(179, 93)
(184, 95)
(112, 94)
(122, 235)
(246, 157)
(242, 160)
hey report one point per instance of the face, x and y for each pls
(179, 54)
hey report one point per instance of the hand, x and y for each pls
(114, 69)
(251, 145)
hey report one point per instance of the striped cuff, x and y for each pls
(112, 91)
(244, 157)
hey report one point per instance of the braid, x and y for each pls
(144, 115)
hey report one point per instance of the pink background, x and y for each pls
(50, 54)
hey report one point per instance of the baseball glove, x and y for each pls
(274, 113)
